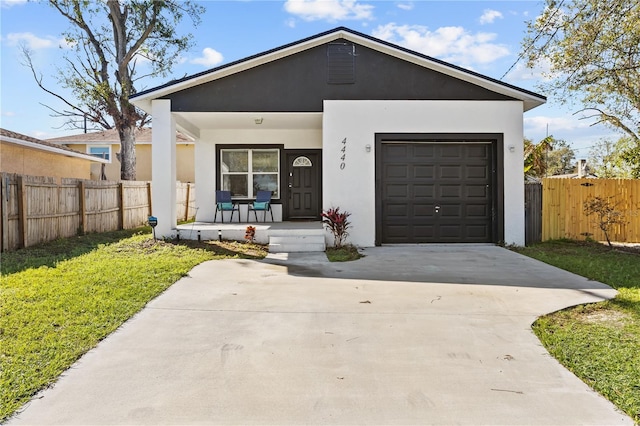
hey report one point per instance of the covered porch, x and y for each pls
(290, 236)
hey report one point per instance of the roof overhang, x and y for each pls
(54, 150)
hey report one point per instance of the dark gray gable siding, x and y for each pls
(300, 82)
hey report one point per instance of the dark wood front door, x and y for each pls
(303, 184)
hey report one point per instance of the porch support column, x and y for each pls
(163, 167)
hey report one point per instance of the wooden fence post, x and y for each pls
(186, 205)
(121, 205)
(23, 226)
(5, 193)
(149, 198)
(83, 207)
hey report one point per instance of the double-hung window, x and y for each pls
(244, 172)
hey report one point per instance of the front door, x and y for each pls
(303, 184)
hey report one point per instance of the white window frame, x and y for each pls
(249, 173)
(89, 147)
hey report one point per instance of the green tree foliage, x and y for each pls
(561, 158)
(535, 157)
(114, 44)
(606, 159)
(548, 157)
(593, 50)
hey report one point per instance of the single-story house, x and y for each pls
(25, 155)
(106, 144)
(416, 149)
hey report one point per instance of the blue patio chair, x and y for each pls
(263, 204)
(224, 203)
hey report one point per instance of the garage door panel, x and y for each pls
(395, 150)
(423, 172)
(476, 191)
(451, 211)
(422, 211)
(417, 177)
(450, 172)
(478, 233)
(397, 171)
(397, 191)
(397, 212)
(450, 191)
(423, 151)
(421, 191)
(477, 210)
(422, 232)
(477, 172)
(451, 151)
(450, 232)
(480, 151)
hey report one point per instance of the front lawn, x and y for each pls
(58, 300)
(600, 343)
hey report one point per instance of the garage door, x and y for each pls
(436, 192)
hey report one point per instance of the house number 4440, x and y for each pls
(343, 152)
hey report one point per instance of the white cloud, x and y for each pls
(541, 72)
(329, 10)
(33, 42)
(538, 124)
(451, 44)
(8, 114)
(210, 57)
(489, 16)
(9, 3)
(406, 5)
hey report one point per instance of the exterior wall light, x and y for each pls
(367, 148)
(257, 120)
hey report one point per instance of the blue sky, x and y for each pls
(484, 36)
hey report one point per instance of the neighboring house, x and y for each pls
(25, 155)
(106, 144)
(416, 149)
(582, 172)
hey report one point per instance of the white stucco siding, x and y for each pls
(205, 159)
(352, 188)
(163, 168)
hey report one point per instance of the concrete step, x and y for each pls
(297, 242)
(295, 248)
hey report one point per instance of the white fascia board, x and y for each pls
(54, 150)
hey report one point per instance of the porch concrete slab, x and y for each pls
(406, 335)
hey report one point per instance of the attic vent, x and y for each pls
(341, 63)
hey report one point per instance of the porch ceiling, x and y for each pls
(197, 121)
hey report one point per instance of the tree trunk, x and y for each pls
(127, 152)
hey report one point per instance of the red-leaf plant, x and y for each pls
(338, 224)
(250, 234)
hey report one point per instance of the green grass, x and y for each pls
(600, 342)
(58, 300)
(345, 253)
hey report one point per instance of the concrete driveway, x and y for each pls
(407, 335)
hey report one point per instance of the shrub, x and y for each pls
(338, 224)
(606, 214)
(250, 234)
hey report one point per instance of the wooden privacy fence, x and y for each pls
(563, 213)
(37, 209)
(532, 212)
